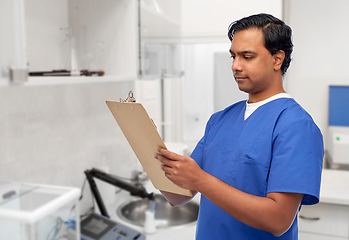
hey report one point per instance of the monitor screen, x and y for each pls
(339, 106)
(95, 226)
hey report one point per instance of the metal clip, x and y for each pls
(130, 98)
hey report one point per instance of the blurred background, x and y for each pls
(173, 55)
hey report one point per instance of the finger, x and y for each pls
(166, 168)
(168, 164)
(162, 158)
(168, 154)
(167, 171)
(167, 175)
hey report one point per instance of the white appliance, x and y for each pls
(338, 129)
(38, 212)
(338, 144)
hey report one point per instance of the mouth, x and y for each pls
(240, 78)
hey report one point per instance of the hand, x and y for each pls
(181, 170)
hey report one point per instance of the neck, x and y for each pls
(253, 98)
(275, 88)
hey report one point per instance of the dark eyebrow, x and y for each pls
(248, 51)
(244, 52)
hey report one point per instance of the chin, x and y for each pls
(244, 89)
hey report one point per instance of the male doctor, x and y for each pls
(259, 160)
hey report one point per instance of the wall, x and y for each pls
(51, 134)
(320, 53)
(209, 20)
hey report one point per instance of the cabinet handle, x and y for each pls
(309, 218)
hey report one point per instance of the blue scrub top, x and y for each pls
(278, 148)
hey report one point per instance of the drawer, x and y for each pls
(324, 219)
(313, 236)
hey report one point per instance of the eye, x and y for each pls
(248, 57)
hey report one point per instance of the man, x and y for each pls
(260, 159)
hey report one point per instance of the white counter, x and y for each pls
(328, 220)
(335, 187)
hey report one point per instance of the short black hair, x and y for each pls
(277, 35)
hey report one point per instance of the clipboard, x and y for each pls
(144, 139)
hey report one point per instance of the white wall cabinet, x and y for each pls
(67, 34)
(42, 35)
(119, 37)
(324, 221)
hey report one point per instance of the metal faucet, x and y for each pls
(133, 189)
(139, 177)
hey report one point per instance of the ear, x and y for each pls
(279, 57)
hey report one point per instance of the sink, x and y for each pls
(165, 215)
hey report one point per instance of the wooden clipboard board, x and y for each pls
(144, 139)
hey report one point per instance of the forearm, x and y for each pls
(263, 213)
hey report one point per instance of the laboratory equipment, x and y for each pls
(101, 227)
(39, 212)
(113, 180)
(97, 227)
(149, 223)
(338, 129)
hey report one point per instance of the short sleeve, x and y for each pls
(297, 160)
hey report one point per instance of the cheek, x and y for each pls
(261, 68)
(258, 74)
(253, 71)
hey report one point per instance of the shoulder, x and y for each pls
(292, 113)
(294, 119)
(219, 117)
(232, 109)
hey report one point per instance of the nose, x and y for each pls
(236, 66)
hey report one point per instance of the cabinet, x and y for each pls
(67, 34)
(120, 37)
(127, 39)
(324, 221)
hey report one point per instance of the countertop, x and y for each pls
(335, 187)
